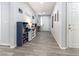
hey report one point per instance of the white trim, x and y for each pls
(12, 46)
(60, 44)
(4, 44)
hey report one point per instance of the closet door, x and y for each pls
(4, 24)
(73, 25)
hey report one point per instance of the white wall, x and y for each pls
(9, 16)
(58, 29)
(4, 24)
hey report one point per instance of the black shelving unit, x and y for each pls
(22, 33)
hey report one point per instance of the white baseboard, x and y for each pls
(7, 45)
(60, 45)
(73, 45)
(4, 44)
(12, 46)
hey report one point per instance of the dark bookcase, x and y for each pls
(22, 33)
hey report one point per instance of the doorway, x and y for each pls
(44, 22)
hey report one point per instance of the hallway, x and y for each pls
(43, 45)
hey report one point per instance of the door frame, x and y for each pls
(67, 42)
(41, 28)
(67, 31)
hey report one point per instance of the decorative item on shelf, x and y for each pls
(20, 10)
(32, 17)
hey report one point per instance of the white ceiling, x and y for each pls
(42, 8)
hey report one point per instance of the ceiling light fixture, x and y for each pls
(44, 12)
(41, 2)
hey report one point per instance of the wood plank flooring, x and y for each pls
(42, 45)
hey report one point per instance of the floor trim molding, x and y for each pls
(12, 46)
(59, 44)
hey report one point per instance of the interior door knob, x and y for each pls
(69, 25)
(69, 28)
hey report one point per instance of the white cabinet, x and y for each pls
(34, 33)
(31, 34)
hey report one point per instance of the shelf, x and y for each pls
(22, 33)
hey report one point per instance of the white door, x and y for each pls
(73, 25)
(45, 23)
